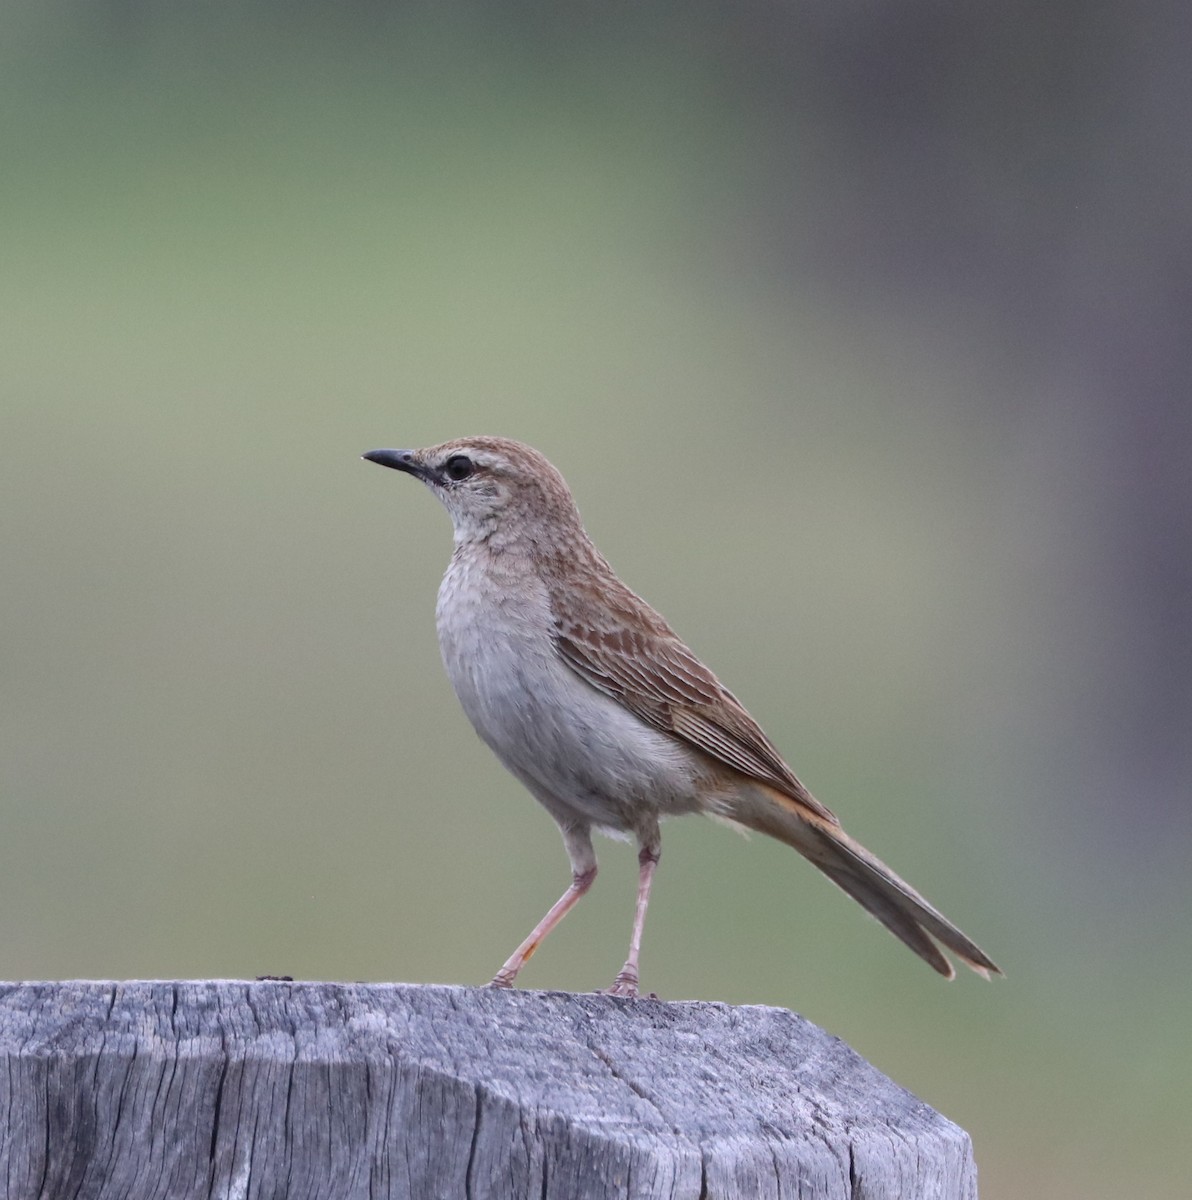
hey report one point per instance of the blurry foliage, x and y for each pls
(861, 334)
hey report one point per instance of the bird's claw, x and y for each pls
(624, 985)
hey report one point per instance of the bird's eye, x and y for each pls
(458, 467)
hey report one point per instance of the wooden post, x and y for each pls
(284, 1091)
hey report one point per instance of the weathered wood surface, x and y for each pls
(284, 1091)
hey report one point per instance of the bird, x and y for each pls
(591, 700)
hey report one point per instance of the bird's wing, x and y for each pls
(643, 665)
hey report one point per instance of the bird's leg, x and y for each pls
(578, 843)
(566, 902)
(626, 982)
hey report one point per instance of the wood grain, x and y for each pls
(284, 1090)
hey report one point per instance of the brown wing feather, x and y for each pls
(644, 666)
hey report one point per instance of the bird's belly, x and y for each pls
(578, 751)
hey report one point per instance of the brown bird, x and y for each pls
(589, 697)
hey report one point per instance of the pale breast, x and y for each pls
(579, 751)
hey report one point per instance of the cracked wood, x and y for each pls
(197, 1090)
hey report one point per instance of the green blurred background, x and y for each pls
(862, 335)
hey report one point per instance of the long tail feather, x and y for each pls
(906, 914)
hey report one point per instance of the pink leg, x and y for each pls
(581, 881)
(626, 982)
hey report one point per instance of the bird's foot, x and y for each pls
(501, 980)
(624, 985)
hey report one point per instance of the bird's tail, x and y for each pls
(906, 914)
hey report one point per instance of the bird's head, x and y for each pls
(483, 482)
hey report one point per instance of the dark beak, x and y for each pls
(399, 460)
